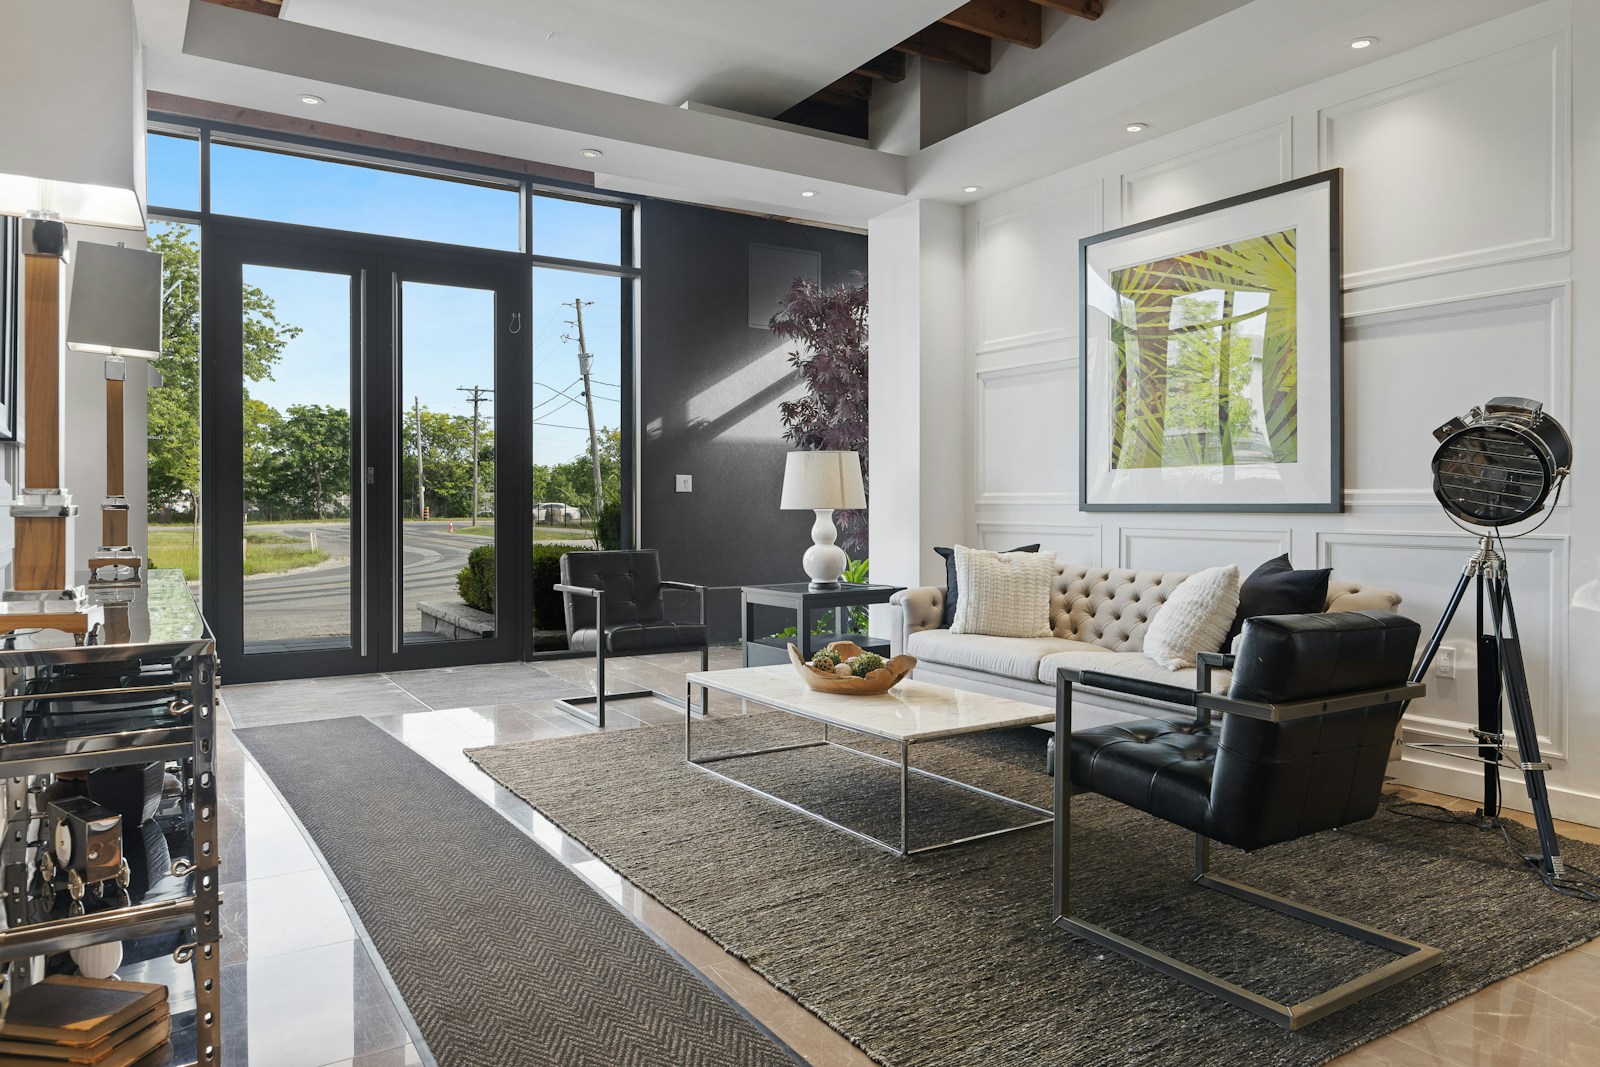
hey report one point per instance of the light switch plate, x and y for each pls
(685, 483)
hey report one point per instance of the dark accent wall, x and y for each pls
(709, 388)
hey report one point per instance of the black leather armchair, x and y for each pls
(1301, 745)
(614, 605)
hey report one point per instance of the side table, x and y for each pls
(803, 603)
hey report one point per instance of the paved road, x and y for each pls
(316, 602)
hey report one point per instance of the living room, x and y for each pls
(494, 428)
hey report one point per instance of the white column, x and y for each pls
(919, 397)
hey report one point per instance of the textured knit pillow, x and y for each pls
(952, 583)
(1194, 619)
(1276, 588)
(1004, 594)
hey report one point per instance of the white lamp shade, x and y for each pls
(72, 130)
(116, 302)
(813, 480)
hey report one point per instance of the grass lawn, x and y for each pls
(265, 552)
(540, 533)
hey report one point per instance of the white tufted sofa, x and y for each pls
(1098, 615)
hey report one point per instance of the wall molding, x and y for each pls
(1023, 530)
(1281, 539)
(985, 340)
(1559, 237)
(1556, 548)
(982, 495)
(1556, 297)
(1281, 131)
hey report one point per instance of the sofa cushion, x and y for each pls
(1276, 588)
(1128, 665)
(1108, 606)
(1011, 657)
(1195, 618)
(1353, 596)
(952, 584)
(1005, 594)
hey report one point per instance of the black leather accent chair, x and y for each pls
(1300, 747)
(615, 605)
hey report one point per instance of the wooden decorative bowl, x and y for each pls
(881, 680)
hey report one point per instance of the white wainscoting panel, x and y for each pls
(1240, 165)
(1408, 370)
(1026, 280)
(1423, 569)
(1466, 166)
(1026, 452)
(1071, 544)
(1192, 549)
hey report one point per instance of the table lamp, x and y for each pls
(75, 154)
(823, 482)
(116, 313)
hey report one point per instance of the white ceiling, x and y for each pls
(755, 56)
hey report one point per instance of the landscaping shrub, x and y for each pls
(475, 582)
(608, 531)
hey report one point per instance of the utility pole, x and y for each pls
(479, 395)
(585, 365)
(422, 492)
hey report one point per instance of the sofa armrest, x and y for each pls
(911, 610)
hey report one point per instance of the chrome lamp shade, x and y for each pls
(116, 302)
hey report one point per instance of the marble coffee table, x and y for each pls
(911, 713)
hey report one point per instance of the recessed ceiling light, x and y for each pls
(590, 153)
(972, 188)
(1136, 127)
(1363, 42)
(308, 98)
(808, 192)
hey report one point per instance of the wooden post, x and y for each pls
(44, 313)
(114, 520)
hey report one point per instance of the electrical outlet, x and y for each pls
(1444, 664)
(685, 483)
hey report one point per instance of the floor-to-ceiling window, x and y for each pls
(361, 355)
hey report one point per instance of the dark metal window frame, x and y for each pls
(627, 273)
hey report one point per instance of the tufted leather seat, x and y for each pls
(630, 589)
(1301, 748)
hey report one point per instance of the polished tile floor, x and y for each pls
(302, 990)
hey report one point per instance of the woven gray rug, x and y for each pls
(504, 956)
(949, 958)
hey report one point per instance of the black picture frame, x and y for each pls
(10, 315)
(1328, 262)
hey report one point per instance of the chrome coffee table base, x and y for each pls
(903, 848)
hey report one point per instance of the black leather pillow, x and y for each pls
(1276, 588)
(951, 587)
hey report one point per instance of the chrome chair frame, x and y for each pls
(1413, 957)
(576, 706)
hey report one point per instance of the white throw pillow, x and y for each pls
(1196, 618)
(1005, 594)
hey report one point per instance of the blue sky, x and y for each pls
(447, 340)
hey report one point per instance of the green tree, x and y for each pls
(446, 463)
(306, 470)
(174, 408)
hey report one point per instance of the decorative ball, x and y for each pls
(842, 669)
(98, 961)
(865, 664)
(826, 659)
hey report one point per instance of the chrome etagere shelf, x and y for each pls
(141, 690)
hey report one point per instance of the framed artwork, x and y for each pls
(10, 313)
(1210, 369)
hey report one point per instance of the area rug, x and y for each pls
(949, 958)
(504, 956)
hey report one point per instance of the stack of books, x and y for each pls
(68, 1021)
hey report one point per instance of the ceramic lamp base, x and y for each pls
(824, 561)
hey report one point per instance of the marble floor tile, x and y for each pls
(266, 917)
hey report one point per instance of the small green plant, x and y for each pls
(865, 664)
(475, 581)
(608, 529)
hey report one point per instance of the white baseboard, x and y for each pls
(1461, 779)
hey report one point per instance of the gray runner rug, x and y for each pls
(949, 958)
(504, 956)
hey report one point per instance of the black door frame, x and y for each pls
(378, 266)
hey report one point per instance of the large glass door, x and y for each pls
(350, 458)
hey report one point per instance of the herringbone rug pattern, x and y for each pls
(505, 957)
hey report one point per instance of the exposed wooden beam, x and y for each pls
(1084, 9)
(948, 45)
(889, 67)
(270, 8)
(1014, 21)
(189, 107)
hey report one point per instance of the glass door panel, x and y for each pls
(295, 541)
(447, 504)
